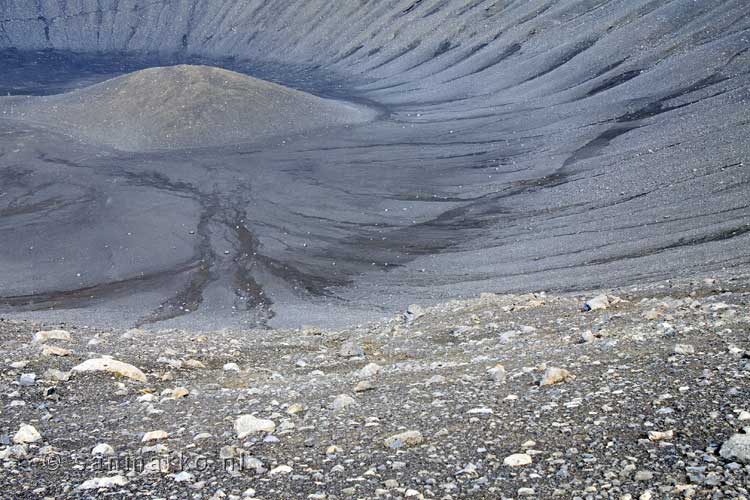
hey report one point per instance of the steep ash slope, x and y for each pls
(520, 145)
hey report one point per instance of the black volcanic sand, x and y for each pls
(519, 146)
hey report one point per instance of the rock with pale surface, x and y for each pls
(350, 349)
(737, 448)
(342, 401)
(246, 425)
(51, 350)
(45, 335)
(497, 373)
(281, 469)
(408, 438)
(660, 436)
(27, 434)
(684, 349)
(103, 449)
(369, 370)
(518, 460)
(597, 303)
(112, 366)
(554, 375)
(107, 482)
(154, 436)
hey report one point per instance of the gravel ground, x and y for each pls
(646, 395)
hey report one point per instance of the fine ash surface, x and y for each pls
(184, 106)
(633, 393)
(464, 146)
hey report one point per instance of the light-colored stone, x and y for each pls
(295, 409)
(46, 335)
(350, 349)
(112, 366)
(518, 460)
(193, 363)
(369, 370)
(684, 349)
(737, 448)
(246, 425)
(99, 483)
(497, 373)
(27, 434)
(154, 436)
(102, 449)
(281, 469)
(51, 350)
(597, 303)
(183, 476)
(554, 375)
(180, 392)
(363, 386)
(342, 401)
(404, 439)
(660, 436)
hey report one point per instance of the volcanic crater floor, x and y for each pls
(635, 392)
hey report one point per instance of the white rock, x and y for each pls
(342, 401)
(350, 349)
(480, 411)
(154, 436)
(518, 460)
(103, 483)
(103, 449)
(246, 425)
(281, 469)
(27, 434)
(231, 367)
(111, 366)
(737, 448)
(51, 350)
(369, 370)
(364, 386)
(408, 438)
(554, 375)
(193, 363)
(497, 373)
(660, 436)
(183, 476)
(598, 302)
(684, 349)
(45, 335)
